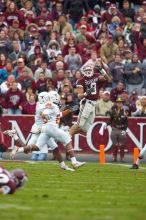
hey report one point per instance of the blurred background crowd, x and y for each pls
(45, 43)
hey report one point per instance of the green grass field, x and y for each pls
(104, 192)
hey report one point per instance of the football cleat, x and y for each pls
(78, 164)
(10, 133)
(13, 152)
(134, 166)
(67, 168)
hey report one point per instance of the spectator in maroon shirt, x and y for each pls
(85, 48)
(29, 92)
(40, 21)
(12, 13)
(71, 43)
(40, 4)
(30, 106)
(112, 11)
(29, 17)
(57, 10)
(59, 58)
(59, 78)
(46, 14)
(41, 83)
(117, 91)
(14, 100)
(38, 56)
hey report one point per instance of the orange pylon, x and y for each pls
(102, 155)
(135, 154)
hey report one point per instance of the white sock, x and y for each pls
(73, 160)
(15, 137)
(62, 164)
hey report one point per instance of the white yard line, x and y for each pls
(124, 165)
(14, 206)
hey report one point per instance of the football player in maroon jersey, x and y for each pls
(11, 181)
(94, 78)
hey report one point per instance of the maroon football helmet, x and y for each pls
(19, 176)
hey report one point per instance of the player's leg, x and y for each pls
(65, 138)
(32, 138)
(13, 134)
(70, 151)
(75, 130)
(20, 146)
(34, 134)
(54, 147)
(89, 121)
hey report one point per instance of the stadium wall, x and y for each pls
(85, 144)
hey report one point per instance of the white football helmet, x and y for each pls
(87, 71)
(54, 97)
(43, 97)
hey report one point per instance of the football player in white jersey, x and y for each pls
(43, 98)
(51, 118)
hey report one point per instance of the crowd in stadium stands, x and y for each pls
(45, 43)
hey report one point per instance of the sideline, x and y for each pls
(125, 165)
